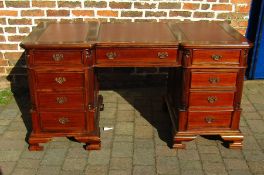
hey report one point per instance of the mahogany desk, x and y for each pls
(207, 63)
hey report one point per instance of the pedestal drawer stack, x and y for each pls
(211, 94)
(62, 92)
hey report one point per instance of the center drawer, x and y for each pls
(53, 100)
(62, 121)
(133, 56)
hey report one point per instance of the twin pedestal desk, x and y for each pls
(206, 60)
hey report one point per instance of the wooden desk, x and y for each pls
(207, 62)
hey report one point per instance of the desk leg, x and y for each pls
(234, 140)
(179, 137)
(91, 142)
(35, 140)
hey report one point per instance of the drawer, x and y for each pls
(53, 100)
(202, 120)
(213, 79)
(211, 99)
(216, 56)
(62, 121)
(58, 57)
(59, 80)
(136, 55)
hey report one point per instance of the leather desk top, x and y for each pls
(90, 34)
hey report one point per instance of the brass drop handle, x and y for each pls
(63, 120)
(209, 119)
(111, 55)
(60, 80)
(61, 100)
(214, 80)
(101, 107)
(216, 57)
(212, 99)
(57, 56)
(163, 55)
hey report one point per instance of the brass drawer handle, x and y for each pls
(57, 56)
(209, 119)
(163, 55)
(61, 100)
(214, 80)
(216, 57)
(60, 80)
(111, 55)
(212, 99)
(63, 120)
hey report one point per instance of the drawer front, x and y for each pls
(59, 80)
(216, 56)
(214, 79)
(61, 121)
(135, 55)
(202, 120)
(58, 57)
(217, 99)
(54, 100)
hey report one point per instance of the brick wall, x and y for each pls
(18, 17)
